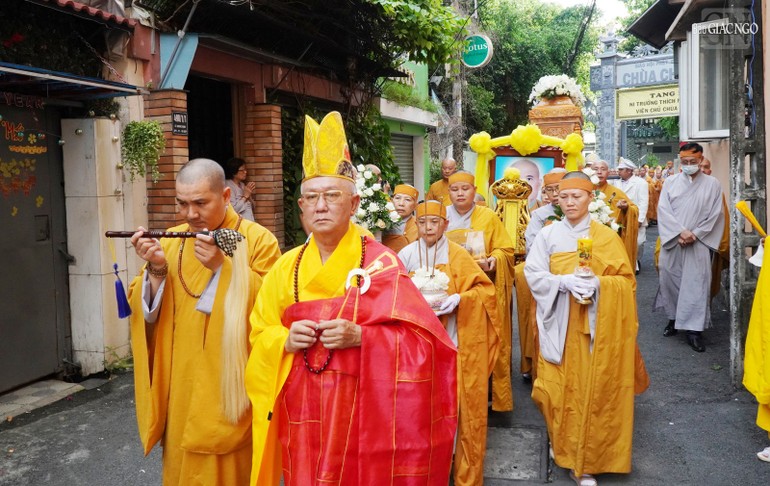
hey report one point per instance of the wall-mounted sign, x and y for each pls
(179, 122)
(645, 71)
(654, 102)
(478, 51)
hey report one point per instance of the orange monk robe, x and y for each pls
(439, 191)
(477, 348)
(269, 365)
(525, 310)
(588, 400)
(498, 244)
(652, 208)
(721, 259)
(177, 369)
(397, 242)
(628, 218)
(756, 366)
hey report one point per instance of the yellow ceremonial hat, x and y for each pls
(406, 190)
(462, 177)
(326, 152)
(431, 208)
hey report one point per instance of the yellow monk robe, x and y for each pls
(439, 191)
(180, 404)
(525, 309)
(756, 365)
(588, 400)
(397, 242)
(498, 244)
(652, 207)
(628, 218)
(478, 345)
(362, 231)
(722, 259)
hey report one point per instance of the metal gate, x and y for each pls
(403, 156)
(34, 309)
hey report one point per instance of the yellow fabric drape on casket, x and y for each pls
(588, 400)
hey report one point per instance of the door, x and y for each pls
(34, 295)
(403, 156)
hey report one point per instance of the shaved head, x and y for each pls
(197, 170)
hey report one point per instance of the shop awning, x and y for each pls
(652, 25)
(45, 83)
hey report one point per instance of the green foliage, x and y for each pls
(652, 160)
(142, 145)
(482, 111)
(292, 133)
(435, 169)
(369, 141)
(532, 39)
(635, 9)
(406, 95)
(670, 126)
(423, 30)
(33, 35)
(114, 363)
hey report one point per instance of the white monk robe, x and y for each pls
(589, 365)
(552, 317)
(415, 256)
(639, 191)
(537, 221)
(694, 204)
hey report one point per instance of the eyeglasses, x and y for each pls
(242, 170)
(690, 160)
(551, 190)
(330, 197)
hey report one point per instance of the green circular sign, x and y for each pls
(478, 51)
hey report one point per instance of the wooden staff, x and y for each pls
(156, 234)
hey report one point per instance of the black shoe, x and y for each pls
(695, 342)
(670, 330)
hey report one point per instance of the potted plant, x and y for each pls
(142, 145)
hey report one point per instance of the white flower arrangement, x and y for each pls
(432, 284)
(430, 279)
(598, 208)
(560, 85)
(376, 212)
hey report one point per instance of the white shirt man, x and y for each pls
(638, 190)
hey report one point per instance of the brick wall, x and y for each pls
(161, 196)
(261, 149)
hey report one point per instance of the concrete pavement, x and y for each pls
(691, 427)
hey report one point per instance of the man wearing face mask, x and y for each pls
(690, 222)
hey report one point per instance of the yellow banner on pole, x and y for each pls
(650, 102)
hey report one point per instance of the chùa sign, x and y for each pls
(478, 51)
(645, 71)
(652, 102)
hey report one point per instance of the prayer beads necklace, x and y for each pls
(310, 368)
(181, 250)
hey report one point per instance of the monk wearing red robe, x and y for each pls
(352, 378)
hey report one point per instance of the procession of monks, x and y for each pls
(350, 361)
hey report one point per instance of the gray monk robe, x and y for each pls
(694, 204)
(537, 221)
